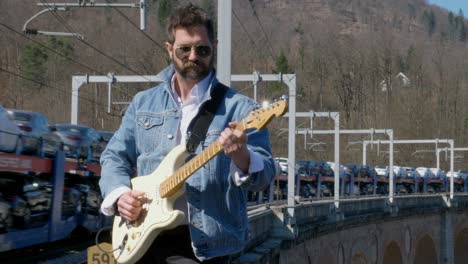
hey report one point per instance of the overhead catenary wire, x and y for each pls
(246, 32)
(62, 21)
(52, 87)
(71, 30)
(48, 48)
(263, 29)
(56, 52)
(138, 29)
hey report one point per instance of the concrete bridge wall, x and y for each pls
(412, 229)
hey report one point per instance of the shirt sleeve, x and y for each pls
(256, 165)
(107, 206)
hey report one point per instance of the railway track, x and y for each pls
(53, 252)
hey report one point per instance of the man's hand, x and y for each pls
(234, 143)
(130, 204)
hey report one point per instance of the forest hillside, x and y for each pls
(397, 64)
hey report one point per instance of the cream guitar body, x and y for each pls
(131, 240)
(136, 237)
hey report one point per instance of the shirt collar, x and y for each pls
(198, 91)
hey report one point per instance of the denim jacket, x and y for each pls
(216, 205)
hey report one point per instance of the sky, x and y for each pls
(452, 5)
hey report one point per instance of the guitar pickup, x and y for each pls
(135, 235)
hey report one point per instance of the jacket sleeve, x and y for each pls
(259, 142)
(119, 158)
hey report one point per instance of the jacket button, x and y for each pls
(170, 136)
(147, 124)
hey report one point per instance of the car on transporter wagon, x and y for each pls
(283, 163)
(10, 134)
(79, 141)
(37, 135)
(103, 139)
(6, 220)
(25, 196)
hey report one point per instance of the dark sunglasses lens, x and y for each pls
(203, 51)
(183, 52)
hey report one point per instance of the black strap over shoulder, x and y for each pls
(201, 122)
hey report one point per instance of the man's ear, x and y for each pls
(169, 49)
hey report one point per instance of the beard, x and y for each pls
(193, 70)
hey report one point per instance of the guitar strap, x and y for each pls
(201, 122)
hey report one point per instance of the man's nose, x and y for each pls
(193, 54)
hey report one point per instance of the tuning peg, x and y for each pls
(265, 104)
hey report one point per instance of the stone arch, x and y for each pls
(460, 246)
(392, 254)
(326, 258)
(425, 251)
(359, 258)
(364, 250)
(340, 256)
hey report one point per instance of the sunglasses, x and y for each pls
(183, 52)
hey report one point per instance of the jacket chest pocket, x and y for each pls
(150, 130)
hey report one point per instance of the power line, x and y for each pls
(263, 30)
(246, 32)
(52, 87)
(48, 48)
(62, 21)
(138, 29)
(56, 52)
(71, 30)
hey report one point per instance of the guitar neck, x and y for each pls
(173, 183)
(257, 119)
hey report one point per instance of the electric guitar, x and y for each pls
(130, 240)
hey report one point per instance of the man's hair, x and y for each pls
(187, 16)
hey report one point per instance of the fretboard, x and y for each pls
(174, 182)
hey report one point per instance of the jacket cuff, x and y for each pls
(256, 165)
(108, 205)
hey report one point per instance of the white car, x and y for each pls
(10, 139)
(381, 171)
(454, 174)
(424, 172)
(438, 173)
(329, 169)
(410, 171)
(399, 172)
(283, 163)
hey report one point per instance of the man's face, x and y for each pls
(192, 53)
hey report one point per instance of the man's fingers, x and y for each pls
(129, 205)
(128, 211)
(233, 124)
(137, 194)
